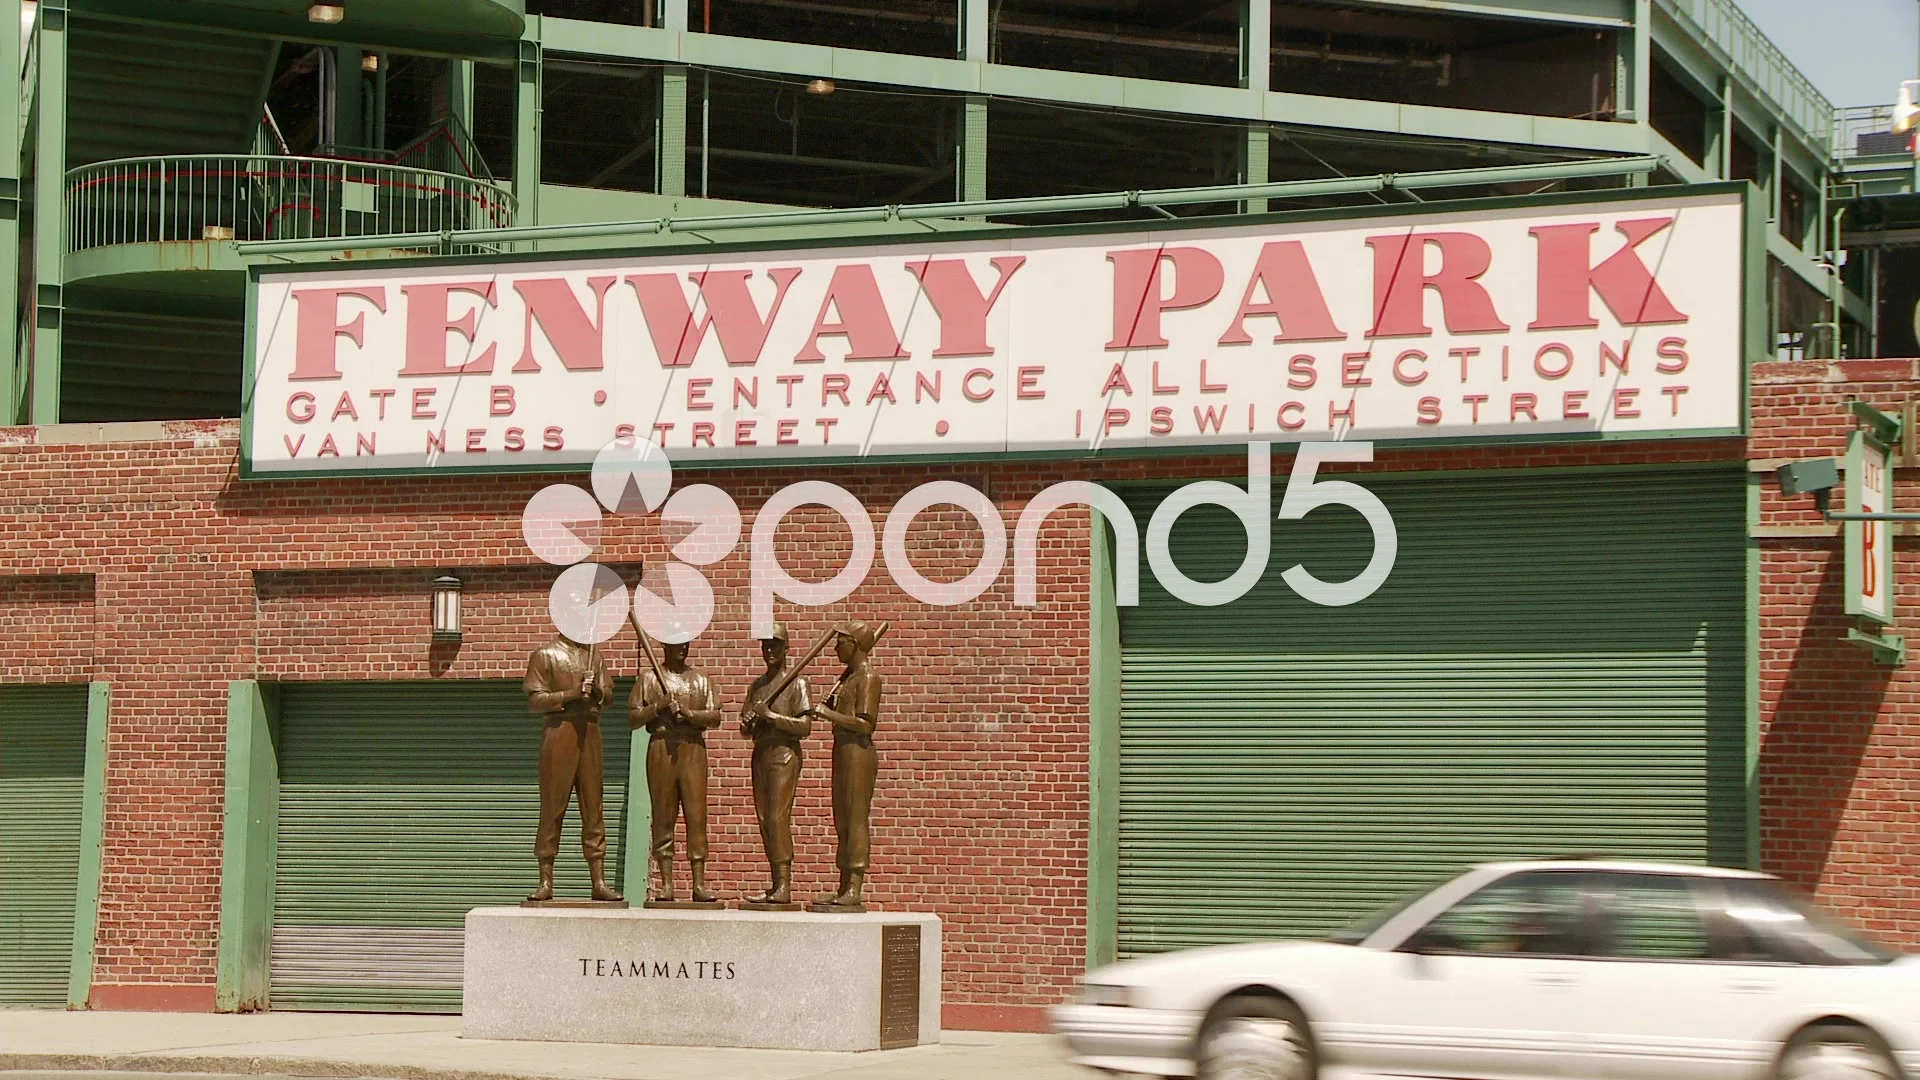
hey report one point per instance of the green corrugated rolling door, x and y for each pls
(43, 755)
(1555, 665)
(402, 805)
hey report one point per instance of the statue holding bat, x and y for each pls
(567, 687)
(775, 718)
(853, 708)
(677, 706)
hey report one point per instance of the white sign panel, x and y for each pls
(1619, 318)
(1869, 543)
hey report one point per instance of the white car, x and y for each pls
(1518, 971)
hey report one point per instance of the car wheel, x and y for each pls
(1256, 1038)
(1837, 1052)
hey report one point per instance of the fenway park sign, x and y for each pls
(1616, 317)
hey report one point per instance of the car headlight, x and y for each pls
(1106, 994)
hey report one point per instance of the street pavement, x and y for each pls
(430, 1048)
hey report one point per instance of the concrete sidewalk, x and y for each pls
(430, 1048)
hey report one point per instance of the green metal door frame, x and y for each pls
(93, 813)
(249, 839)
(1103, 750)
(50, 191)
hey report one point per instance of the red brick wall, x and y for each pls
(1840, 736)
(199, 578)
(46, 628)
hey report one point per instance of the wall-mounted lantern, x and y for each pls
(446, 608)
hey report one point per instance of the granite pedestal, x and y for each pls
(774, 980)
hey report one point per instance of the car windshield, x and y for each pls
(1360, 931)
(1773, 913)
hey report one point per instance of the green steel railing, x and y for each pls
(1866, 131)
(1722, 24)
(454, 240)
(268, 197)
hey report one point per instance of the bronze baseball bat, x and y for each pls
(877, 635)
(647, 649)
(793, 673)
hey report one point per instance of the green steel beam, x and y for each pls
(248, 848)
(1720, 140)
(968, 76)
(460, 94)
(1052, 204)
(972, 185)
(1753, 672)
(349, 114)
(1256, 166)
(49, 234)
(976, 30)
(424, 27)
(1256, 45)
(1103, 752)
(1636, 55)
(93, 816)
(11, 182)
(1775, 183)
(672, 135)
(1578, 12)
(1757, 332)
(528, 83)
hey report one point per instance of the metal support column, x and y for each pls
(976, 40)
(460, 94)
(672, 139)
(10, 177)
(50, 233)
(1775, 185)
(674, 15)
(1256, 73)
(526, 133)
(1726, 128)
(349, 112)
(971, 178)
(1255, 169)
(1256, 45)
(1638, 80)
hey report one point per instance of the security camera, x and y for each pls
(1816, 475)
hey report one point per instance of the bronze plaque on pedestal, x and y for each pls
(899, 987)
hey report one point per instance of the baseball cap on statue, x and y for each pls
(862, 634)
(779, 634)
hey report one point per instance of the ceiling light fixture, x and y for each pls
(326, 13)
(822, 87)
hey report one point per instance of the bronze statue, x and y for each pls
(853, 708)
(676, 705)
(775, 718)
(567, 685)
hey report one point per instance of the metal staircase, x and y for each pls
(139, 89)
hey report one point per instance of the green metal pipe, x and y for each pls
(1280, 189)
(776, 221)
(342, 243)
(1045, 204)
(1515, 174)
